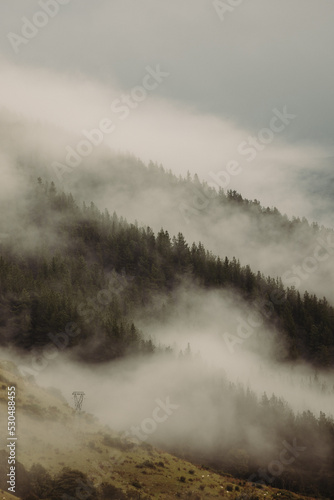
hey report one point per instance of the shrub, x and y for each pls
(40, 480)
(148, 464)
(136, 484)
(73, 483)
(110, 492)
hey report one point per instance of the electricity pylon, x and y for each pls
(78, 397)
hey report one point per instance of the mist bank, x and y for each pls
(200, 399)
(260, 238)
(190, 406)
(76, 265)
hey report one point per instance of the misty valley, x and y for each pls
(177, 347)
(166, 250)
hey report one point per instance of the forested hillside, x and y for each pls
(94, 269)
(166, 250)
(74, 278)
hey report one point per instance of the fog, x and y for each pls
(195, 377)
(166, 131)
(118, 181)
(201, 320)
(149, 109)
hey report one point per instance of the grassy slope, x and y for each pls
(50, 433)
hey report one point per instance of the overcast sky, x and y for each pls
(227, 73)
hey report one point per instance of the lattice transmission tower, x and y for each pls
(78, 397)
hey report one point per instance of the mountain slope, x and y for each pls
(51, 434)
(85, 267)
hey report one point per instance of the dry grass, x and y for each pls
(50, 433)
